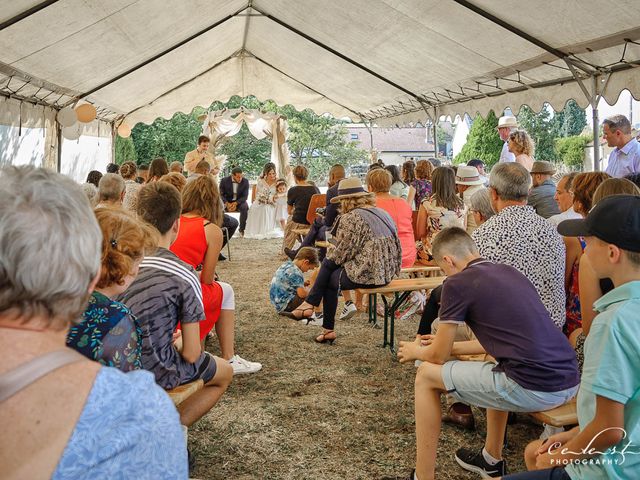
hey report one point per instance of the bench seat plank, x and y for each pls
(561, 416)
(182, 392)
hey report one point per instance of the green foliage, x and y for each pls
(170, 139)
(125, 150)
(483, 142)
(246, 151)
(540, 127)
(571, 150)
(570, 121)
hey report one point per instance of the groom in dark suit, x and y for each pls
(234, 191)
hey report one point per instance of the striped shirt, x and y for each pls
(166, 292)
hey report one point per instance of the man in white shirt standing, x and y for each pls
(506, 124)
(564, 199)
(625, 157)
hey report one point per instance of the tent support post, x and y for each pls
(58, 147)
(596, 135)
(435, 131)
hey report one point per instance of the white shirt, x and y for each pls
(625, 160)
(235, 190)
(506, 155)
(570, 214)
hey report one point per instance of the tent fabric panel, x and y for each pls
(117, 39)
(16, 7)
(181, 65)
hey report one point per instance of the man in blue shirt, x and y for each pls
(625, 157)
(606, 442)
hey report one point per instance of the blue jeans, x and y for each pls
(331, 279)
(555, 473)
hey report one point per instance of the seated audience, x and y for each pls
(625, 157)
(166, 293)
(420, 187)
(298, 199)
(234, 191)
(564, 199)
(176, 167)
(521, 145)
(64, 416)
(444, 208)
(113, 168)
(94, 177)
(176, 179)
(480, 207)
(324, 224)
(143, 173)
(110, 190)
(91, 192)
(367, 252)
(408, 175)
(609, 395)
(398, 187)
(634, 177)
(535, 366)
(379, 182)
(128, 172)
(198, 243)
(468, 182)
(157, 170)
(542, 193)
(479, 165)
(108, 332)
(518, 237)
(202, 168)
(287, 292)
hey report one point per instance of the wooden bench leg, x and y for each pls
(397, 301)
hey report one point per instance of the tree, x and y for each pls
(571, 150)
(570, 121)
(540, 127)
(125, 150)
(246, 151)
(483, 141)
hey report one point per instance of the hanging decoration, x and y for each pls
(73, 132)
(124, 130)
(86, 113)
(67, 117)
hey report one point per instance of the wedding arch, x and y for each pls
(226, 123)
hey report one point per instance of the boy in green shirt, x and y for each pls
(606, 443)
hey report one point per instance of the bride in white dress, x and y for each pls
(261, 221)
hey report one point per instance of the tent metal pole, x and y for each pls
(27, 13)
(596, 125)
(435, 131)
(58, 147)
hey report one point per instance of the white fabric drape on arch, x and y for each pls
(228, 122)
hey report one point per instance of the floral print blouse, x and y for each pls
(108, 333)
(439, 218)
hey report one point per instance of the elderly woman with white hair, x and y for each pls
(63, 415)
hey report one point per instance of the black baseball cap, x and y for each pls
(615, 220)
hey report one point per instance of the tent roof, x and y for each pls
(383, 60)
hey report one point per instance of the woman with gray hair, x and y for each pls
(481, 206)
(65, 416)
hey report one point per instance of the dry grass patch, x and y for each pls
(317, 411)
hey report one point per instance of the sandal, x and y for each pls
(305, 313)
(326, 337)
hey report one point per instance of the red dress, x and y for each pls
(191, 247)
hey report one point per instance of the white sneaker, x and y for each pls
(348, 311)
(315, 320)
(242, 366)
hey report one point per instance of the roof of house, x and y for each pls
(392, 139)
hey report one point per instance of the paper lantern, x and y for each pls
(124, 130)
(67, 117)
(73, 132)
(86, 113)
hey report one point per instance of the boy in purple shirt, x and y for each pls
(535, 367)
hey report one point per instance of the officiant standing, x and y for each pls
(192, 158)
(234, 191)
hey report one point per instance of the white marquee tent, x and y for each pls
(386, 61)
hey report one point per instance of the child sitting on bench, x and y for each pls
(287, 291)
(609, 398)
(536, 366)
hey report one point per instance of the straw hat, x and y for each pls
(543, 167)
(468, 176)
(508, 121)
(348, 188)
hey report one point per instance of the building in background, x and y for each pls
(393, 145)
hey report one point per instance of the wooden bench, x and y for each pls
(302, 232)
(401, 288)
(322, 244)
(561, 416)
(418, 268)
(182, 392)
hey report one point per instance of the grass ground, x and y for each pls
(317, 411)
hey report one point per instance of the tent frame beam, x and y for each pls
(339, 55)
(27, 13)
(158, 55)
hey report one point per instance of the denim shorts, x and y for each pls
(475, 383)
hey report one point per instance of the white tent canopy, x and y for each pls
(388, 61)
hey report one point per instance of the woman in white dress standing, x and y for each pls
(261, 221)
